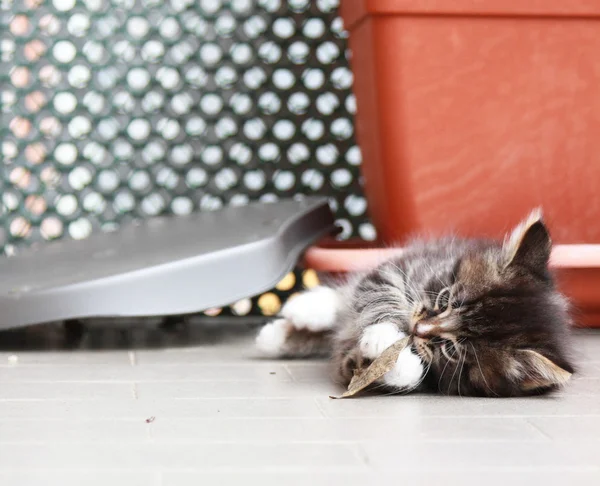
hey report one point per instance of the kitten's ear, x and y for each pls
(529, 244)
(538, 372)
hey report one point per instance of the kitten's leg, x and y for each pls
(408, 370)
(271, 338)
(314, 310)
(305, 328)
(279, 339)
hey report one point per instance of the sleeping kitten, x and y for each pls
(485, 316)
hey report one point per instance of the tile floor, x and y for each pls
(135, 405)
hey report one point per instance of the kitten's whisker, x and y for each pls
(455, 370)
(461, 370)
(444, 371)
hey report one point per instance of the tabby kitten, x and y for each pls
(485, 317)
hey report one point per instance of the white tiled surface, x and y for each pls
(76, 413)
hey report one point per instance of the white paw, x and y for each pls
(314, 310)
(377, 338)
(407, 372)
(271, 337)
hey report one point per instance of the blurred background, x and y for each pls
(114, 110)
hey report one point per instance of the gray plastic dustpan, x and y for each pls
(162, 266)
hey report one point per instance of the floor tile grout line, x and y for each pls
(337, 469)
(362, 455)
(169, 417)
(135, 395)
(287, 369)
(291, 469)
(322, 413)
(321, 408)
(138, 380)
(538, 429)
(267, 442)
(135, 361)
(282, 418)
(150, 433)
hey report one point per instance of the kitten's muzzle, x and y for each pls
(426, 330)
(430, 328)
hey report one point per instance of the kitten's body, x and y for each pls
(485, 318)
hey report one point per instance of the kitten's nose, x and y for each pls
(430, 328)
(426, 330)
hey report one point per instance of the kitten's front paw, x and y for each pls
(377, 338)
(406, 373)
(314, 310)
(271, 338)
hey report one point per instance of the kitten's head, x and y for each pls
(500, 328)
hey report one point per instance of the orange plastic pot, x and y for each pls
(472, 112)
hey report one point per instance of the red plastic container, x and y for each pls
(472, 112)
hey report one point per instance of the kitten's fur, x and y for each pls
(486, 318)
